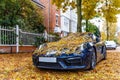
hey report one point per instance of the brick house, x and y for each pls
(57, 21)
(51, 15)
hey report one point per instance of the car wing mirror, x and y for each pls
(97, 39)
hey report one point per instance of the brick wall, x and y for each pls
(49, 13)
(12, 49)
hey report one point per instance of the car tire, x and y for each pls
(93, 60)
(104, 53)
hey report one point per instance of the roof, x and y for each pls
(38, 3)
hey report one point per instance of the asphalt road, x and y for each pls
(117, 50)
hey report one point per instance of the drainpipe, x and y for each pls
(48, 19)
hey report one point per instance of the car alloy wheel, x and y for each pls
(104, 53)
(93, 61)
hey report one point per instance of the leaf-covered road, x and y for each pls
(19, 67)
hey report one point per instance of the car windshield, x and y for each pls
(110, 42)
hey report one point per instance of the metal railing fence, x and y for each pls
(16, 37)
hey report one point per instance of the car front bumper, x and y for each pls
(63, 63)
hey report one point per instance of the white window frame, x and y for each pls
(66, 22)
(57, 19)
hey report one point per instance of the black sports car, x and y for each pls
(76, 51)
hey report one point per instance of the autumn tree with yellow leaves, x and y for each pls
(63, 4)
(112, 31)
(109, 9)
(90, 8)
(85, 6)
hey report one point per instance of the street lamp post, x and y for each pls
(48, 18)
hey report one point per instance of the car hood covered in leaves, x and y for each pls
(67, 45)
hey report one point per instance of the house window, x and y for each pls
(57, 17)
(66, 22)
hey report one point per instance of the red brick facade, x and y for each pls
(12, 49)
(50, 13)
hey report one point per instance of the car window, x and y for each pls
(110, 42)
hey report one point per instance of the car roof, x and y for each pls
(110, 41)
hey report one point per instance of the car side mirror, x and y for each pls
(97, 39)
(94, 38)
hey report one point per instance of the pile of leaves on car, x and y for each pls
(67, 44)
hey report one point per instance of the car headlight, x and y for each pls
(83, 47)
(42, 46)
(80, 48)
(51, 52)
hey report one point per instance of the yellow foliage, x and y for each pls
(112, 30)
(20, 67)
(88, 8)
(110, 10)
(63, 4)
(103, 36)
(70, 42)
(73, 4)
(116, 3)
(118, 38)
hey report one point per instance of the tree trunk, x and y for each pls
(79, 16)
(87, 28)
(107, 24)
(107, 30)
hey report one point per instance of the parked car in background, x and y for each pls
(77, 51)
(110, 44)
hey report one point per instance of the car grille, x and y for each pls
(56, 65)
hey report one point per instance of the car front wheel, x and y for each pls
(93, 61)
(104, 54)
